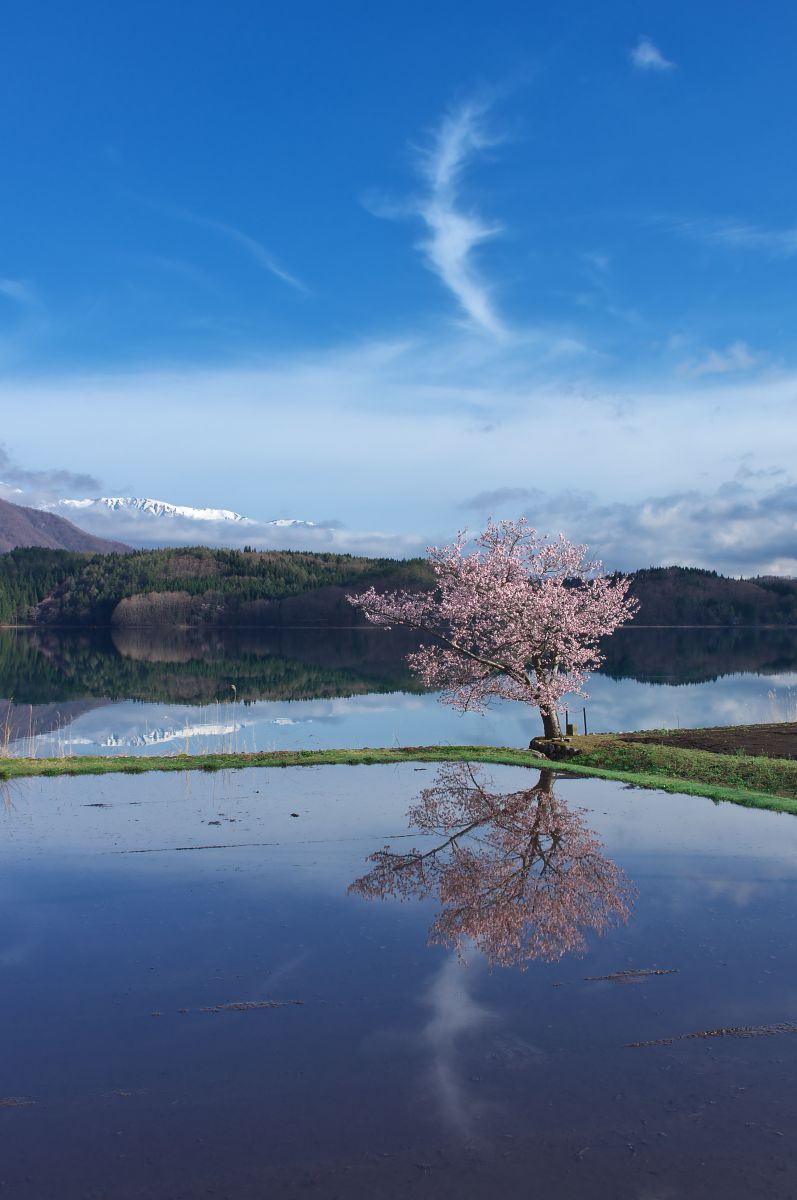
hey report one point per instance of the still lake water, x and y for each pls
(211, 988)
(148, 691)
(385, 981)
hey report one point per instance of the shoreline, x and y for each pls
(76, 628)
(767, 783)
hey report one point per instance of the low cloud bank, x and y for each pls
(736, 529)
(144, 532)
(40, 485)
(744, 526)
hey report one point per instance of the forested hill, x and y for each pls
(195, 586)
(690, 596)
(200, 586)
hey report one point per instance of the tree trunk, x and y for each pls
(544, 785)
(550, 723)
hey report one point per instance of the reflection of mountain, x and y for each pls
(520, 875)
(20, 721)
(199, 666)
(675, 656)
(160, 737)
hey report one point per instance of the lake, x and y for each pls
(393, 981)
(150, 691)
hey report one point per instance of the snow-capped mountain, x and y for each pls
(143, 504)
(142, 521)
(163, 509)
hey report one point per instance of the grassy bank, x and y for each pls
(753, 782)
(17, 768)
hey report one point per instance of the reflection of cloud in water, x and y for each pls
(269, 725)
(453, 1014)
(742, 699)
(738, 892)
(280, 973)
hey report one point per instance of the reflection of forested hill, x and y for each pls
(697, 655)
(195, 667)
(198, 666)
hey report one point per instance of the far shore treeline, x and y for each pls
(200, 586)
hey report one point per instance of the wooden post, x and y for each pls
(585, 722)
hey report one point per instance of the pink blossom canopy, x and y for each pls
(518, 618)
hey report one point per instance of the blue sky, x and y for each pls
(398, 267)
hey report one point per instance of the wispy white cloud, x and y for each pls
(741, 235)
(598, 260)
(492, 415)
(255, 249)
(175, 267)
(745, 472)
(18, 290)
(497, 499)
(24, 321)
(737, 357)
(646, 56)
(454, 232)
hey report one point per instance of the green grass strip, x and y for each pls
(16, 768)
(740, 774)
(753, 783)
(687, 787)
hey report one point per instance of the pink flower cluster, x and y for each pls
(518, 617)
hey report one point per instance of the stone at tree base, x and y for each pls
(555, 748)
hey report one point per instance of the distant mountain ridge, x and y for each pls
(21, 527)
(143, 504)
(150, 521)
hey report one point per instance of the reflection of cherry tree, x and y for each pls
(519, 874)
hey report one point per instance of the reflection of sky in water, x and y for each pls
(403, 719)
(453, 1016)
(397, 1048)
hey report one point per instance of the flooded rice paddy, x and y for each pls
(392, 981)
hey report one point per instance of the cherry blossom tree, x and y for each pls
(519, 875)
(518, 617)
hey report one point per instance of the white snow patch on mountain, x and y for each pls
(145, 523)
(144, 508)
(143, 504)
